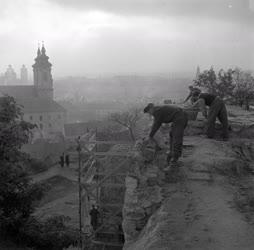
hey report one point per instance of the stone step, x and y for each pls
(200, 171)
(199, 176)
(200, 168)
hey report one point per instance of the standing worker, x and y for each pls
(179, 120)
(217, 108)
(94, 213)
(62, 160)
(67, 160)
(192, 91)
(120, 233)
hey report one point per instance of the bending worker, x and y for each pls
(179, 120)
(192, 91)
(217, 108)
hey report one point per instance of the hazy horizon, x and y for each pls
(132, 37)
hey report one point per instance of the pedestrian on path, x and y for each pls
(94, 213)
(62, 160)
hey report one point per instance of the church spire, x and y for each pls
(38, 50)
(197, 72)
(43, 50)
(42, 74)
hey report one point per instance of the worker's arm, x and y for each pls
(188, 97)
(200, 104)
(155, 127)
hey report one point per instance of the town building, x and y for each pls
(37, 100)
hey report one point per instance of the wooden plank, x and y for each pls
(105, 184)
(104, 223)
(112, 244)
(88, 192)
(120, 205)
(75, 154)
(110, 232)
(113, 171)
(91, 186)
(111, 142)
(199, 176)
(111, 154)
(116, 174)
(89, 175)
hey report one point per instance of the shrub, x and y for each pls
(50, 234)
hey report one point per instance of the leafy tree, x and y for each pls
(225, 83)
(128, 120)
(235, 84)
(207, 79)
(17, 194)
(244, 87)
(220, 84)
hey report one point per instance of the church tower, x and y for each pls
(10, 76)
(197, 72)
(43, 81)
(23, 74)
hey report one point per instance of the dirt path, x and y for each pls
(218, 225)
(216, 222)
(68, 173)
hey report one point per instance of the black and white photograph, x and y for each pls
(126, 124)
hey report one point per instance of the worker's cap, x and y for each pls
(148, 107)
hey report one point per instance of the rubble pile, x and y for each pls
(144, 189)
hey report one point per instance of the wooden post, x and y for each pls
(79, 193)
(96, 167)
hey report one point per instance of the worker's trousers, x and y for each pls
(217, 109)
(176, 135)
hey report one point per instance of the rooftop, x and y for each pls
(39, 105)
(18, 91)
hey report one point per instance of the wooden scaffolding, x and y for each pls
(102, 183)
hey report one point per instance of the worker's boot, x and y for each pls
(172, 164)
(169, 157)
(225, 138)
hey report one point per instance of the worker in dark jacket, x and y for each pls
(217, 109)
(193, 90)
(179, 120)
(94, 213)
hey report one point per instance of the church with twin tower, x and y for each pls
(37, 100)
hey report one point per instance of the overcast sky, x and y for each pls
(127, 36)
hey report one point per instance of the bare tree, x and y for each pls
(127, 119)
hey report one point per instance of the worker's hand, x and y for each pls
(146, 140)
(188, 106)
(149, 139)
